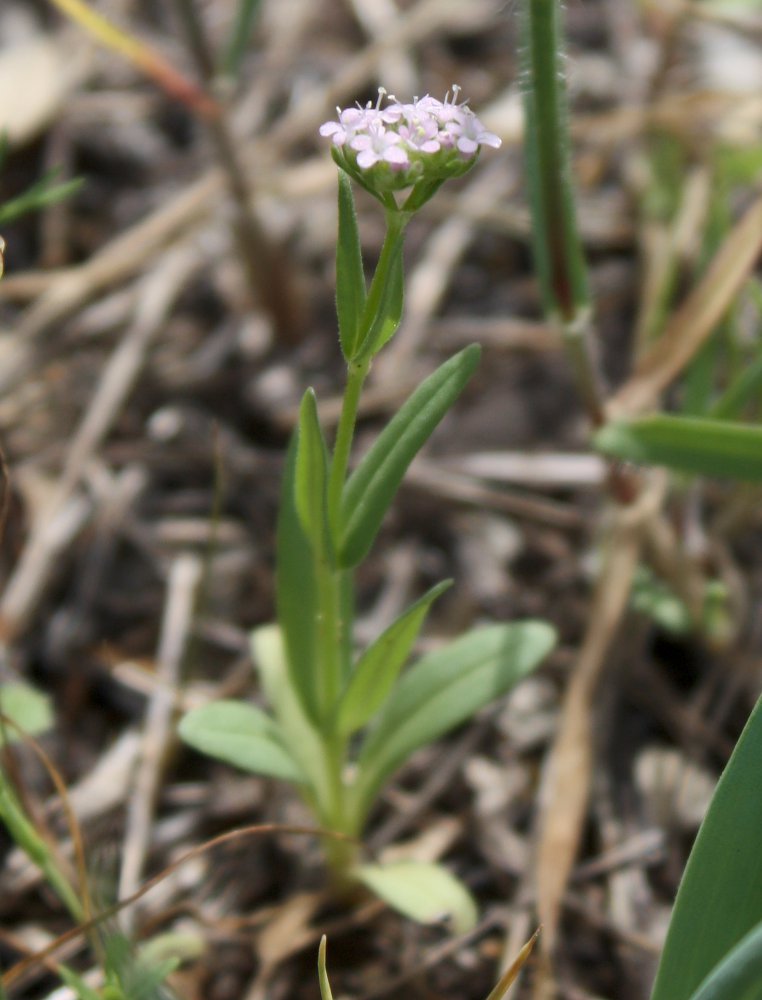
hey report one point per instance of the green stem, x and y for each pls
(356, 375)
(36, 849)
(329, 640)
(396, 221)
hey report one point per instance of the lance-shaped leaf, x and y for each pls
(242, 735)
(422, 891)
(296, 595)
(372, 486)
(377, 669)
(350, 278)
(720, 897)
(687, 444)
(311, 476)
(739, 974)
(443, 690)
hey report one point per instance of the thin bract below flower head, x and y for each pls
(399, 146)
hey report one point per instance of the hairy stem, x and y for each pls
(559, 257)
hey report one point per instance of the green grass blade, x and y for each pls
(739, 974)
(745, 388)
(325, 986)
(379, 666)
(443, 690)
(240, 36)
(296, 593)
(38, 196)
(706, 447)
(372, 486)
(720, 896)
(350, 277)
(241, 735)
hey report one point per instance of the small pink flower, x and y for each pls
(378, 145)
(421, 132)
(469, 133)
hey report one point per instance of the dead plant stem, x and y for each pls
(262, 261)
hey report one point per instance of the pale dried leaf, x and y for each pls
(566, 782)
(36, 78)
(695, 319)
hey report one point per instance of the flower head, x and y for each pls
(398, 146)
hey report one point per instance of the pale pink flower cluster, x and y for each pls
(424, 133)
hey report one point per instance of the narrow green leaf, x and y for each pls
(40, 195)
(311, 477)
(424, 892)
(739, 974)
(26, 708)
(443, 690)
(350, 277)
(390, 309)
(720, 896)
(325, 986)
(379, 666)
(296, 594)
(372, 486)
(242, 735)
(687, 444)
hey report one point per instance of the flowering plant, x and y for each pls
(344, 720)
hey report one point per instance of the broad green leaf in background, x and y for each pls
(720, 897)
(242, 735)
(686, 444)
(422, 891)
(26, 708)
(444, 689)
(378, 667)
(739, 974)
(295, 591)
(350, 278)
(372, 486)
(311, 476)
